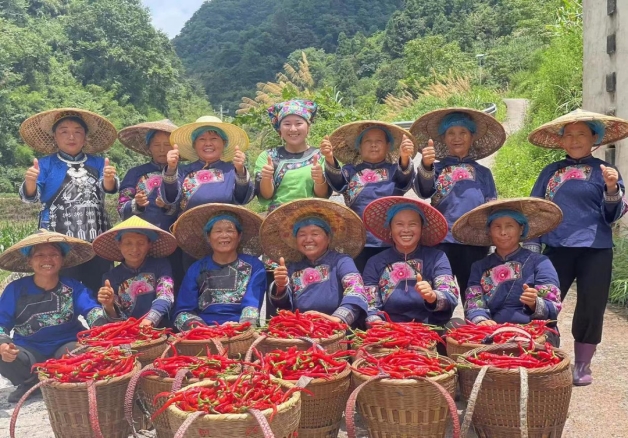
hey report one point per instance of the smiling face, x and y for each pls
(294, 130)
(578, 140)
(46, 260)
(374, 146)
(209, 146)
(458, 141)
(505, 233)
(70, 137)
(405, 229)
(159, 146)
(134, 248)
(224, 238)
(312, 241)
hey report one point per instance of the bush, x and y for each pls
(619, 283)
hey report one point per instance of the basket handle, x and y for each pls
(249, 352)
(219, 347)
(527, 337)
(313, 342)
(261, 419)
(178, 379)
(93, 409)
(170, 346)
(523, 402)
(350, 408)
(129, 397)
(16, 411)
(468, 415)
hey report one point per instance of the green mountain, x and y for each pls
(230, 45)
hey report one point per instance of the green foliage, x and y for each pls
(619, 282)
(13, 232)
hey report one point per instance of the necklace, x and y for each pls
(75, 172)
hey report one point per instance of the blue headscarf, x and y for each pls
(203, 129)
(149, 135)
(222, 217)
(457, 119)
(63, 247)
(514, 214)
(152, 235)
(312, 220)
(389, 136)
(392, 212)
(596, 127)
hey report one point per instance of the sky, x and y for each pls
(171, 15)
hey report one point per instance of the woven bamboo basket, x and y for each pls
(497, 404)
(331, 344)
(405, 407)
(455, 348)
(150, 350)
(285, 423)
(236, 346)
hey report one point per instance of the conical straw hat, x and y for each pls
(134, 137)
(182, 137)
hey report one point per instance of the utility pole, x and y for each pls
(480, 58)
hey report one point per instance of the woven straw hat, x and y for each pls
(13, 260)
(343, 140)
(190, 234)
(489, 136)
(107, 247)
(37, 130)
(548, 135)
(183, 137)
(134, 137)
(433, 231)
(347, 230)
(543, 216)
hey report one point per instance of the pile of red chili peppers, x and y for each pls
(288, 325)
(524, 358)
(396, 335)
(203, 332)
(403, 364)
(253, 390)
(202, 367)
(314, 362)
(95, 364)
(475, 334)
(120, 333)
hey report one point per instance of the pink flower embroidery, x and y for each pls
(205, 176)
(460, 173)
(153, 182)
(502, 273)
(369, 176)
(139, 288)
(401, 271)
(574, 173)
(311, 276)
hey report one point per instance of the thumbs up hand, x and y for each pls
(406, 148)
(528, 297)
(172, 158)
(106, 296)
(238, 161)
(32, 173)
(428, 155)
(424, 288)
(109, 172)
(611, 177)
(281, 276)
(327, 150)
(268, 171)
(317, 174)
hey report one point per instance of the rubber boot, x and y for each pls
(582, 366)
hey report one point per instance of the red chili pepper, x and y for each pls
(288, 325)
(475, 334)
(403, 364)
(523, 358)
(120, 333)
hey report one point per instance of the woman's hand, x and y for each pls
(424, 288)
(281, 276)
(106, 297)
(172, 158)
(30, 178)
(428, 155)
(327, 150)
(324, 315)
(238, 161)
(141, 200)
(109, 176)
(406, 149)
(8, 352)
(146, 323)
(528, 297)
(487, 322)
(611, 177)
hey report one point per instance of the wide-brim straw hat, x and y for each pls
(433, 230)
(37, 130)
(548, 135)
(343, 140)
(134, 137)
(347, 231)
(542, 215)
(182, 137)
(488, 138)
(13, 260)
(191, 236)
(107, 247)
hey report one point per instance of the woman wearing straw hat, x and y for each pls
(294, 170)
(70, 182)
(141, 286)
(225, 284)
(217, 172)
(42, 309)
(591, 192)
(410, 281)
(513, 284)
(315, 241)
(457, 183)
(378, 163)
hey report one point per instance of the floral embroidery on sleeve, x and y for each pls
(126, 195)
(185, 320)
(551, 293)
(354, 286)
(250, 314)
(474, 299)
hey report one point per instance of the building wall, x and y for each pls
(598, 25)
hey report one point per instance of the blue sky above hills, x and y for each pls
(171, 15)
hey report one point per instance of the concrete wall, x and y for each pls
(598, 25)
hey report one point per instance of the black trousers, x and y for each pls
(89, 273)
(592, 269)
(461, 257)
(19, 371)
(365, 255)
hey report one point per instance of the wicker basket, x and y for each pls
(284, 425)
(236, 346)
(404, 408)
(150, 350)
(331, 344)
(500, 397)
(455, 348)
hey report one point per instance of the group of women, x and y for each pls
(189, 252)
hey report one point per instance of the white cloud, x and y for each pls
(171, 15)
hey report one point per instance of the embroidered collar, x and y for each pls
(224, 265)
(67, 158)
(157, 165)
(508, 256)
(579, 160)
(406, 256)
(450, 159)
(133, 270)
(374, 165)
(319, 260)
